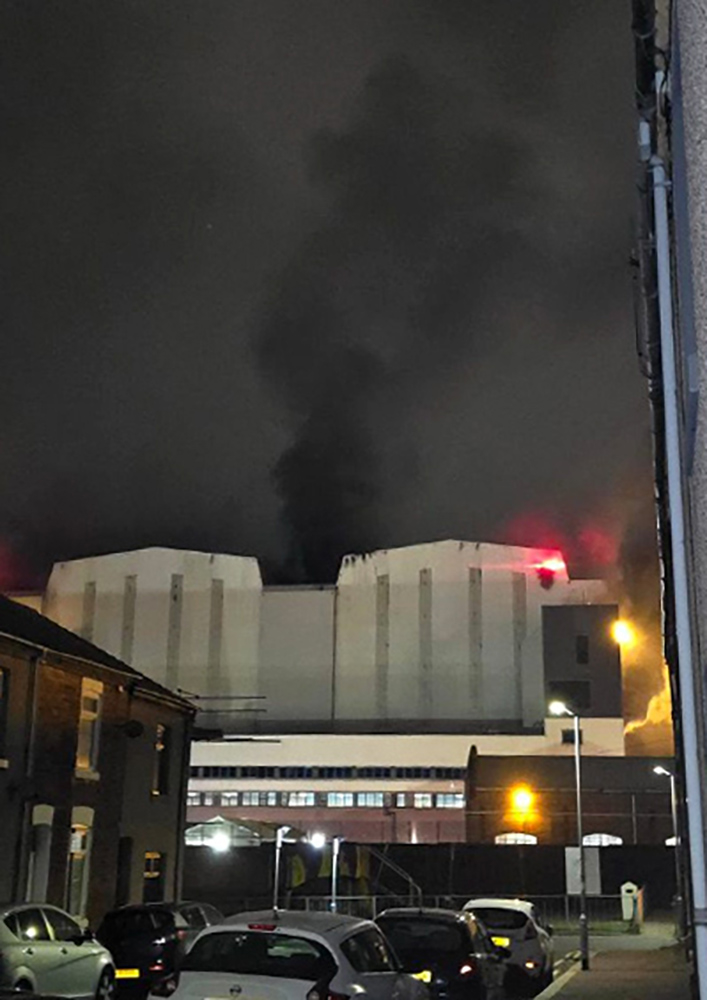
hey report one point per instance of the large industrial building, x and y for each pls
(353, 707)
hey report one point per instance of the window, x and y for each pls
(568, 736)
(270, 798)
(4, 700)
(501, 918)
(422, 800)
(89, 725)
(208, 798)
(339, 799)
(301, 799)
(420, 938)
(78, 867)
(373, 800)
(601, 840)
(28, 925)
(401, 800)
(246, 953)
(250, 798)
(194, 917)
(231, 798)
(193, 798)
(368, 952)
(160, 763)
(450, 800)
(515, 837)
(581, 644)
(63, 927)
(575, 694)
(153, 877)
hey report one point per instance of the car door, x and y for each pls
(377, 969)
(77, 972)
(39, 953)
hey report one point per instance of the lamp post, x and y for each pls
(679, 911)
(559, 708)
(335, 849)
(279, 840)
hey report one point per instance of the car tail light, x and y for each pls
(468, 968)
(181, 934)
(165, 987)
(262, 927)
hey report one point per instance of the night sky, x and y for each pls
(295, 279)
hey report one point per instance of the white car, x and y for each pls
(287, 955)
(42, 950)
(513, 924)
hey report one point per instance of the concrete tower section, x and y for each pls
(446, 636)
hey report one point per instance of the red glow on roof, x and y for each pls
(555, 564)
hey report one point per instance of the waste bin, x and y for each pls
(629, 897)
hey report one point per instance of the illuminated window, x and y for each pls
(422, 800)
(671, 842)
(515, 837)
(193, 798)
(153, 877)
(601, 840)
(77, 874)
(373, 800)
(230, 798)
(300, 799)
(401, 800)
(89, 725)
(339, 800)
(271, 798)
(250, 799)
(450, 800)
(160, 762)
(207, 798)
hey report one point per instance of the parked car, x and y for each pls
(449, 950)
(43, 950)
(292, 956)
(513, 924)
(147, 941)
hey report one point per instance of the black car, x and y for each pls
(450, 951)
(147, 941)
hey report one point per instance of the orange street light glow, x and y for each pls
(623, 633)
(522, 799)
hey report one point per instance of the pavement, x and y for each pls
(649, 966)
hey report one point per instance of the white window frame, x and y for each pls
(601, 840)
(231, 798)
(303, 800)
(422, 800)
(450, 800)
(250, 798)
(515, 837)
(340, 800)
(193, 799)
(87, 765)
(370, 800)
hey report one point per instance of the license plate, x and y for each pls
(127, 973)
(425, 976)
(501, 942)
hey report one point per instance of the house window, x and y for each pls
(250, 798)
(568, 736)
(193, 798)
(160, 762)
(4, 699)
(400, 800)
(516, 837)
(422, 800)
(601, 840)
(450, 800)
(301, 799)
(230, 798)
(372, 800)
(89, 725)
(581, 645)
(153, 877)
(78, 869)
(338, 800)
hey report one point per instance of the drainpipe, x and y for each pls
(182, 806)
(19, 877)
(680, 573)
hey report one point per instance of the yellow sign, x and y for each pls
(501, 942)
(127, 973)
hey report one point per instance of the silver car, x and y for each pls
(43, 950)
(291, 956)
(513, 924)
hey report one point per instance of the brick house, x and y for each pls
(94, 761)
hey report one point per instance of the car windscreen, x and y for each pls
(133, 923)
(256, 953)
(420, 937)
(501, 919)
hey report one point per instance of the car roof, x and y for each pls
(423, 911)
(331, 925)
(521, 905)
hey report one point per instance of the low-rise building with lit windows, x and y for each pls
(93, 772)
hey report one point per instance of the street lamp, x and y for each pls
(279, 840)
(335, 849)
(559, 708)
(665, 773)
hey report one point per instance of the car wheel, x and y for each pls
(106, 985)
